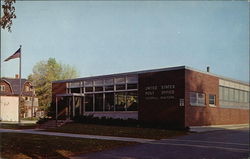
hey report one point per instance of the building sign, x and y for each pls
(155, 92)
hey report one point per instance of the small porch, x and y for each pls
(69, 105)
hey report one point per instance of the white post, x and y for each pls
(20, 86)
(56, 109)
(73, 105)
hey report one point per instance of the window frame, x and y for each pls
(197, 99)
(214, 99)
(2, 88)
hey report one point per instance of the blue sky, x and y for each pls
(110, 37)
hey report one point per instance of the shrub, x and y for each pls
(90, 119)
(43, 120)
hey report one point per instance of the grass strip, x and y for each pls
(91, 129)
(29, 146)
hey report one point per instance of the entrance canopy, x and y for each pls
(73, 95)
(70, 95)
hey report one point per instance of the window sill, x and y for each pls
(197, 105)
(212, 105)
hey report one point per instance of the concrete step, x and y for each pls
(53, 124)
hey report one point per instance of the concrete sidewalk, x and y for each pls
(217, 127)
(35, 131)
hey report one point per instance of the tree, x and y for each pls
(44, 72)
(8, 11)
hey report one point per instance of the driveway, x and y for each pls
(222, 144)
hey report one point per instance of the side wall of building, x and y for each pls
(160, 97)
(7, 88)
(58, 88)
(9, 108)
(198, 115)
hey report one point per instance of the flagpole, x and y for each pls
(20, 86)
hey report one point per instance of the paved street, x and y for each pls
(222, 144)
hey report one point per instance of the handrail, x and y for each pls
(61, 112)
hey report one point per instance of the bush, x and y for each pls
(43, 120)
(90, 119)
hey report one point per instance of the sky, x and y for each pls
(105, 37)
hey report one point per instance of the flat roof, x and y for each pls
(148, 71)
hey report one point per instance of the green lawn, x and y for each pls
(28, 146)
(17, 126)
(148, 133)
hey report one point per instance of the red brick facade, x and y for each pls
(58, 88)
(164, 98)
(161, 104)
(207, 115)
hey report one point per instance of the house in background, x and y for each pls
(9, 98)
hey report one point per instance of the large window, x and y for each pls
(212, 100)
(132, 101)
(109, 102)
(197, 99)
(99, 102)
(233, 97)
(117, 93)
(120, 101)
(89, 102)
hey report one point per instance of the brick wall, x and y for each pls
(155, 107)
(207, 115)
(58, 88)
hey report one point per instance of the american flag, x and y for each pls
(17, 54)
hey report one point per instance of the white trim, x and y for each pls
(12, 92)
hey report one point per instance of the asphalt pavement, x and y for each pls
(221, 144)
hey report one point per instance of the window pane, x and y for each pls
(89, 102)
(98, 82)
(109, 102)
(99, 102)
(98, 89)
(212, 99)
(245, 97)
(75, 90)
(120, 101)
(88, 83)
(236, 95)
(132, 79)
(120, 80)
(226, 91)
(193, 101)
(75, 84)
(192, 95)
(132, 101)
(241, 96)
(131, 86)
(201, 101)
(109, 88)
(89, 89)
(221, 93)
(120, 87)
(231, 94)
(109, 81)
(200, 95)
